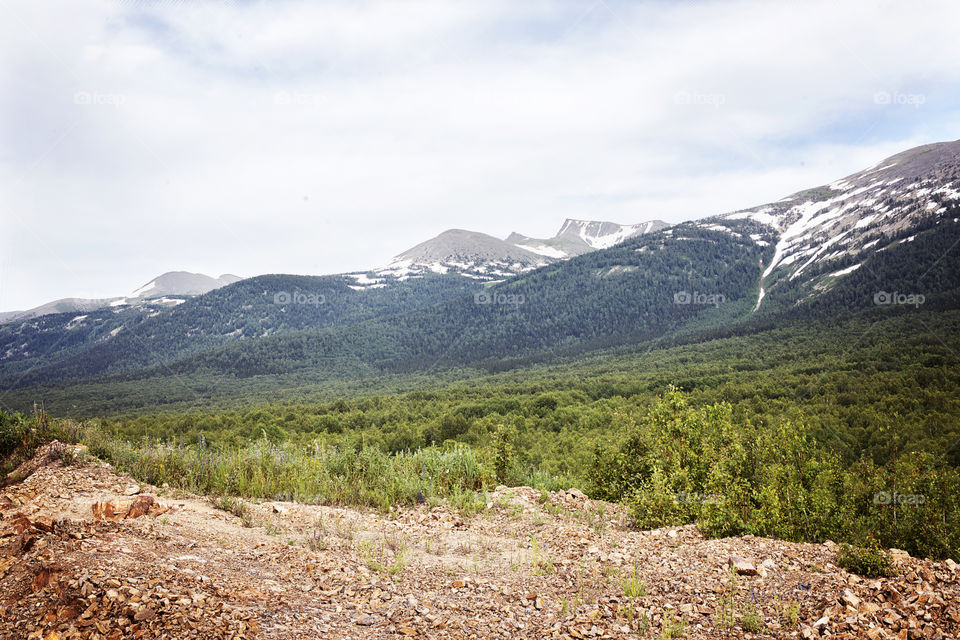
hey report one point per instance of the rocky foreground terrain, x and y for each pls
(88, 553)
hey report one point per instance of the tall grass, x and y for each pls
(313, 475)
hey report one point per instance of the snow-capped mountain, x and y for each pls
(169, 289)
(181, 283)
(484, 257)
(577, 237)
(846, 220)
(469, 253)
(833, 249)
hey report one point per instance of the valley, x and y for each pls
(569, 437)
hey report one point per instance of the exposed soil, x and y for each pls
(566, 568)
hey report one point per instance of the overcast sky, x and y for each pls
(314, 138)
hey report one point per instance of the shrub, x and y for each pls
(869, 562)
(11, 432)
(680, 464)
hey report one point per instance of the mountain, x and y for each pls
(124, 338)
(473, 254)
(182, 283)
(577, 237)
(879, 242)
(171, 288)
(456, 251)
(484, 257)
(826, 233)
(64, 305)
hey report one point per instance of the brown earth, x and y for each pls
(73, 564)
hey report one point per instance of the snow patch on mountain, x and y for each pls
(484, 257)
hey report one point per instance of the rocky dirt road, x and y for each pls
(87, 553)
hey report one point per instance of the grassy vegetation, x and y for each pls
(673, 458)
(314, 475)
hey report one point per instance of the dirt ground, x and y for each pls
(568, 567)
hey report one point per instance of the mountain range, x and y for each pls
(881, 241)
(489, 259)
(166, 290)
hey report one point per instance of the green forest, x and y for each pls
(848, 430)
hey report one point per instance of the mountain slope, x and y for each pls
(819, 253)
(62, 347)
(577, 237)
(182, 283)
(844, 222)
(469, 253)
(484, 257)
(175, 285)
(625, 294)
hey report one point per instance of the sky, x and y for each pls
(320, 137)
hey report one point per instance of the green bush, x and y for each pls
(681, 464)
(11, 432)
(869, 562)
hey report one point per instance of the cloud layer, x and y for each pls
(319, 137)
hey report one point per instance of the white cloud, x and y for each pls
(314, 138)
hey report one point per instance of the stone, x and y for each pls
(43, 523)
(743, 566)
(367, 620)
(850, 599)
(145, 613)
(121, 508)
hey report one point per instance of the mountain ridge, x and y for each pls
(704, 277)
(178, 284)
(484, 257)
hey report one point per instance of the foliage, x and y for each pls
(683, 464)
(316, 475)
(731, 462)
(869, 562)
